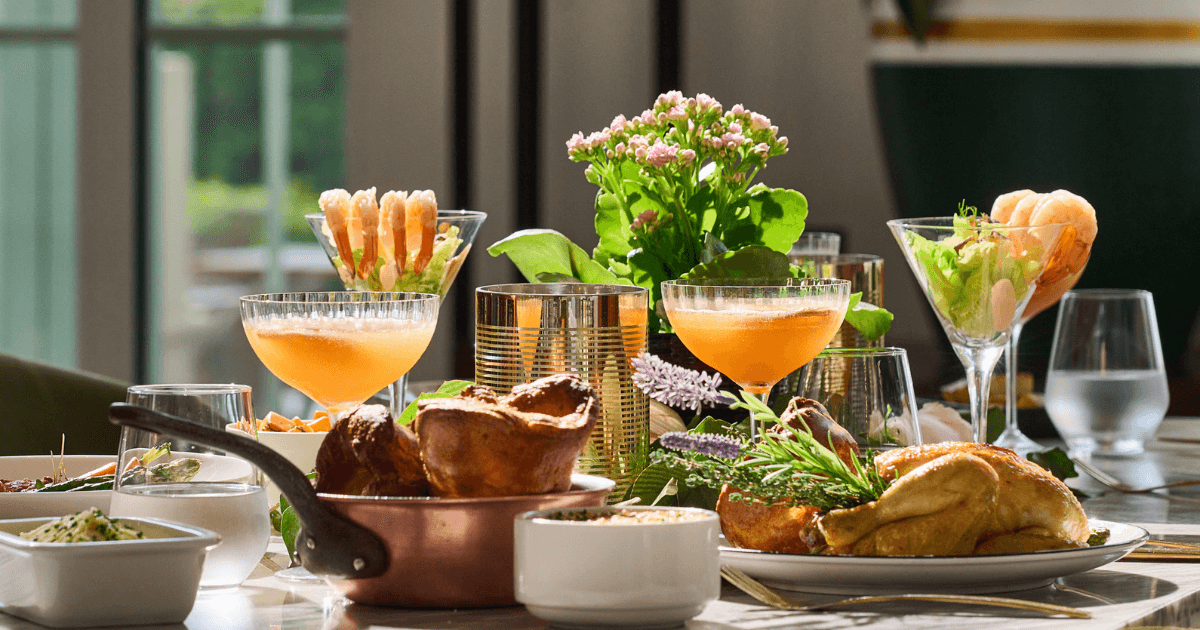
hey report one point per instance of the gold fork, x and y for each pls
(758, 591)
(1116, 484)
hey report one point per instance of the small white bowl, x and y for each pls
(31, 504)
(580, 574)
(152, 580)
(299, 448)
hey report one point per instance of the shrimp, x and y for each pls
(421, 226)
(1023, 209)
(336, 205)
(1075, 242)
(368, 212)
(1003, 207)
(393, 215)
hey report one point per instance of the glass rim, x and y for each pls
(768, 283)
(189, 388)
(886, 351)
(1096, 294)
(392, 297)
(947, 223)
(556, 289)
(441, 214)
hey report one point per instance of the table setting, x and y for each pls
(794, 479)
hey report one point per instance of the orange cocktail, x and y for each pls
(756, 330)
(339, 362)
(339, 348)
(756, 348)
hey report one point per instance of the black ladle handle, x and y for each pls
(328, 544)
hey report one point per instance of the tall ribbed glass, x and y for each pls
(524, 332)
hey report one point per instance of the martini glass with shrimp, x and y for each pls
(756, 330)
(402, 242)
(1061, 272)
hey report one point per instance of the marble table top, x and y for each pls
(1122, 594)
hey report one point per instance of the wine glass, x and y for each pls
(1106, 389)
(454, 232)
(195, 484)
(868, 391)
(339, 348)
(756, 330)
(978, 277)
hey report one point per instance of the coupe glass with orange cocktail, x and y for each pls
(339, 348)
(756, 330)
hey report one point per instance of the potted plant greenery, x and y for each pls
(677, 200)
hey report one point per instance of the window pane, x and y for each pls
(243, 139)
(246, 12)
(37, 207)
(37, 13)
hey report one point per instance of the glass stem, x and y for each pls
(397, 391)
(1010, 380)
(754, 423)
(980, 363)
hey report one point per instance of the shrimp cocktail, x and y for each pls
(339, 348)
(1062, 270)
(978, 276)
(756, 330)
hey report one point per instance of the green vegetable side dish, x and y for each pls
(436, 278)
(90, 525)
(177, 471)
(965, 272)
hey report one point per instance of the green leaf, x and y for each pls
(551, 277)
(547, 251)
(613, 226)
(752, 261)
(289, 528)
(773, 217)
(649, 485)
(1056, 461)
(447, 390)
(872, 322)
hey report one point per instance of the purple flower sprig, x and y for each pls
(677, 386)
(710, 444)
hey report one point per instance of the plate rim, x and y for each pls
(1140, 536)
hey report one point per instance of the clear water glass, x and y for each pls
(868, 391)
(817, 244)
(225, 494)
(1106, 389)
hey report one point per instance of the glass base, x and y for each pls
(298, 574)
(1012, 438)
(1091, 447)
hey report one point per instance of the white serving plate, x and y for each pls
(32, 504)
(864, 575)
(114, 583)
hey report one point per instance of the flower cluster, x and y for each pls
(676, 386)
(679, 133)
(710, 444)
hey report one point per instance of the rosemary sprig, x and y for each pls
(795, 469)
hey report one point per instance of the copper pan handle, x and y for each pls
(329, 544)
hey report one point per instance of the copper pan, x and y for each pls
(390, 551)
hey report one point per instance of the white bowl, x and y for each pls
(31, 504)
(579, 574)
(299, 448)
(125, 582)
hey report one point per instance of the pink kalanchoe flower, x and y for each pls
(688, 156)
(762, 148)
(783, 142)
(716, 143)
(706, 103)
(618, 124)
(758, 122)
(640, 153)
(733, 140)
(620, 148)
(738, 110)
(661, 154)
(638, 142)
(677, 113)
(670, 99)
(644, 218)
(774, 130)
(735, 127)
(596, 138)
(575, 143)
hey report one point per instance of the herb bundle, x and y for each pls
(793, 468)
